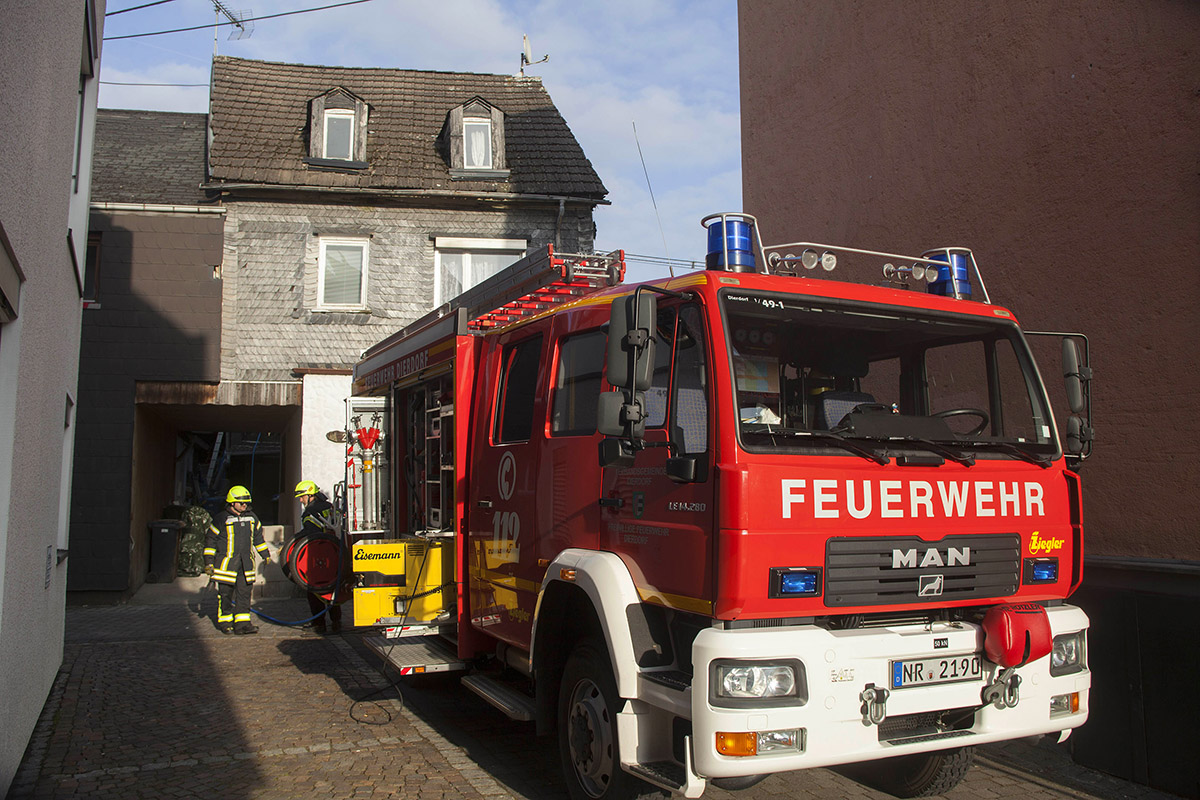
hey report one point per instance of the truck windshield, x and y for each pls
(870, 380)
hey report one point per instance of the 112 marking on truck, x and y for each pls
(753, 519)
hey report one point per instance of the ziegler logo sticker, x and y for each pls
(1039, 545)
(930, 586)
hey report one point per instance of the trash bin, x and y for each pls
(164, 550)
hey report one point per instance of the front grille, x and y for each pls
(869, 571)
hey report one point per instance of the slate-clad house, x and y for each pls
(352, 201)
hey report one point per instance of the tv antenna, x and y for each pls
(526, 55)
(241, 27)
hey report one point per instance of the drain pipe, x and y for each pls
(562, 203)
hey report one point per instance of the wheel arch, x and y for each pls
(585, 593)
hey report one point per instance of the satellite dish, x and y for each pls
(527, 55)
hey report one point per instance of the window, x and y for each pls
(656, 397)
(477, 144)
(689, 409)
(871, 376)
(577, 384)
(339, 134)
(91, 272)
(462, 263)
(518, 381)
(342, 274)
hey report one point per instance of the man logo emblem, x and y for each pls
(930, 586)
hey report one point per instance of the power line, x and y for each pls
(135, 8)
(247, 19)
(668, 262)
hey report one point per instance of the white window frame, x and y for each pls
(466, 246)
(337, 113)
(486, 124)
(326, 241)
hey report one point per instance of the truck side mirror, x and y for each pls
(619, 414)
(1073, 376)
(615, 453)
(631, 341)
(1078, 435)
(682, 469)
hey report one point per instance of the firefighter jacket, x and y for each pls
(318, 516)
(230, 543)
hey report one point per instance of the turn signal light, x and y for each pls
(755, 743)
(737, 744)
(1064, 704)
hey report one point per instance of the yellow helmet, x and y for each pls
(238, 494)
(306, 487)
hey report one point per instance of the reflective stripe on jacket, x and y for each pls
(230, 544)
(318, 516)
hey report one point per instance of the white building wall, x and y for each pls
(45, 136)
(324, 410)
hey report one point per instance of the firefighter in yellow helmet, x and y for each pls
(317, 516)
(229, 548)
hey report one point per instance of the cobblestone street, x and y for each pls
(152, 702)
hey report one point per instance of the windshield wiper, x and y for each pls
(965, 459)
(825, 436)
(1019, 452)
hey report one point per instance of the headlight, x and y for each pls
(746, 683)
(1067, 655)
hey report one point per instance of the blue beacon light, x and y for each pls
(953, 280)
(729, 235)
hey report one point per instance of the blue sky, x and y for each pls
(668, 66)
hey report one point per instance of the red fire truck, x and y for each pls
(766, 516)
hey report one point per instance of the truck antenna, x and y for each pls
(661, 232)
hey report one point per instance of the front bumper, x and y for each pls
(839, 665)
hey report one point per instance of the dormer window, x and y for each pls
(337, 131)
(339, 134)
(473, 142)
(477, 143)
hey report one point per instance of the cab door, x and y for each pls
(663, 530)
(503, 493)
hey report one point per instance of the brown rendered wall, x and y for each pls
(159, 319)
(1061, 141)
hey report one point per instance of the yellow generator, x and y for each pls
(406, 581)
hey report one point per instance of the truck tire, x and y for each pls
(587, 729)
(918, 775)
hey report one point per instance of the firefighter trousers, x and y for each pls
(233, 601)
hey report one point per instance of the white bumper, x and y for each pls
(840, 664)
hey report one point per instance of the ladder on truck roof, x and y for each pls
(539, 281)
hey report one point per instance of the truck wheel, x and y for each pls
(587, 729)
(917, 775)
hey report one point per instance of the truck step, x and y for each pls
(929, 737)
(416, 655)
(515, 704)
(664, 774)
(673, 679)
